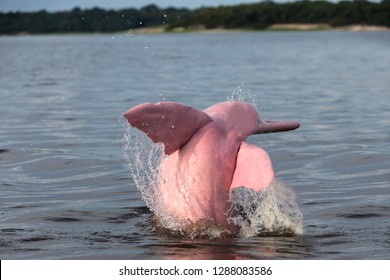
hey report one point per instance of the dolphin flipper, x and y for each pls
(168, 122)
(253, 168)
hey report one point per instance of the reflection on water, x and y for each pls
(65, 190)
(235, 249)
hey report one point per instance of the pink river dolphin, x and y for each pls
(207, 155)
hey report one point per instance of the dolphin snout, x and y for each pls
(276, 126)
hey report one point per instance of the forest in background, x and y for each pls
(257, 16)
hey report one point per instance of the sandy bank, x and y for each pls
(146, 30)
(323, 26)
(274, 27)
(299, 27)
(357, 27)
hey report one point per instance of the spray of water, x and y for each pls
(273, 211)
(244, 94)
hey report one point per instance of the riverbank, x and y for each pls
(202, 29)
(320, 26)
(274, 27)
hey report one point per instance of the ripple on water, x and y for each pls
(62, 151)
(365, 212)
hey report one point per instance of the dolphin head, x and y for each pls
(244, 119)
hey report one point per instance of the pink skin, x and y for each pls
(208, 155)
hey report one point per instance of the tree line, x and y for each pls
(248, 16)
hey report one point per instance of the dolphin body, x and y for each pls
(207, 155)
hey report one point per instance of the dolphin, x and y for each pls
(206, 155)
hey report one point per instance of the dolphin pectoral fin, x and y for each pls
(171, 123)
(253, 168)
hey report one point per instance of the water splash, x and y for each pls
(273, 211)
(242, 93)
(143, 159)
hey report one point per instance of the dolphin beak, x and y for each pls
(276, 126)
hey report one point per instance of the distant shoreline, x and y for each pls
(274, 27)
(201, 29)
(151, 19)
(320, 26)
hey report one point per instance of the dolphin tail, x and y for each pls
(171, 123)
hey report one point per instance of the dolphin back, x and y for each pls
(171, 123)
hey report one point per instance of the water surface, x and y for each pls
(66, 192)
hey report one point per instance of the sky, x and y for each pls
(61, 5)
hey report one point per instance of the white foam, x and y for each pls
(273, 211)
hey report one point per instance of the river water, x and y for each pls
(66, 190)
